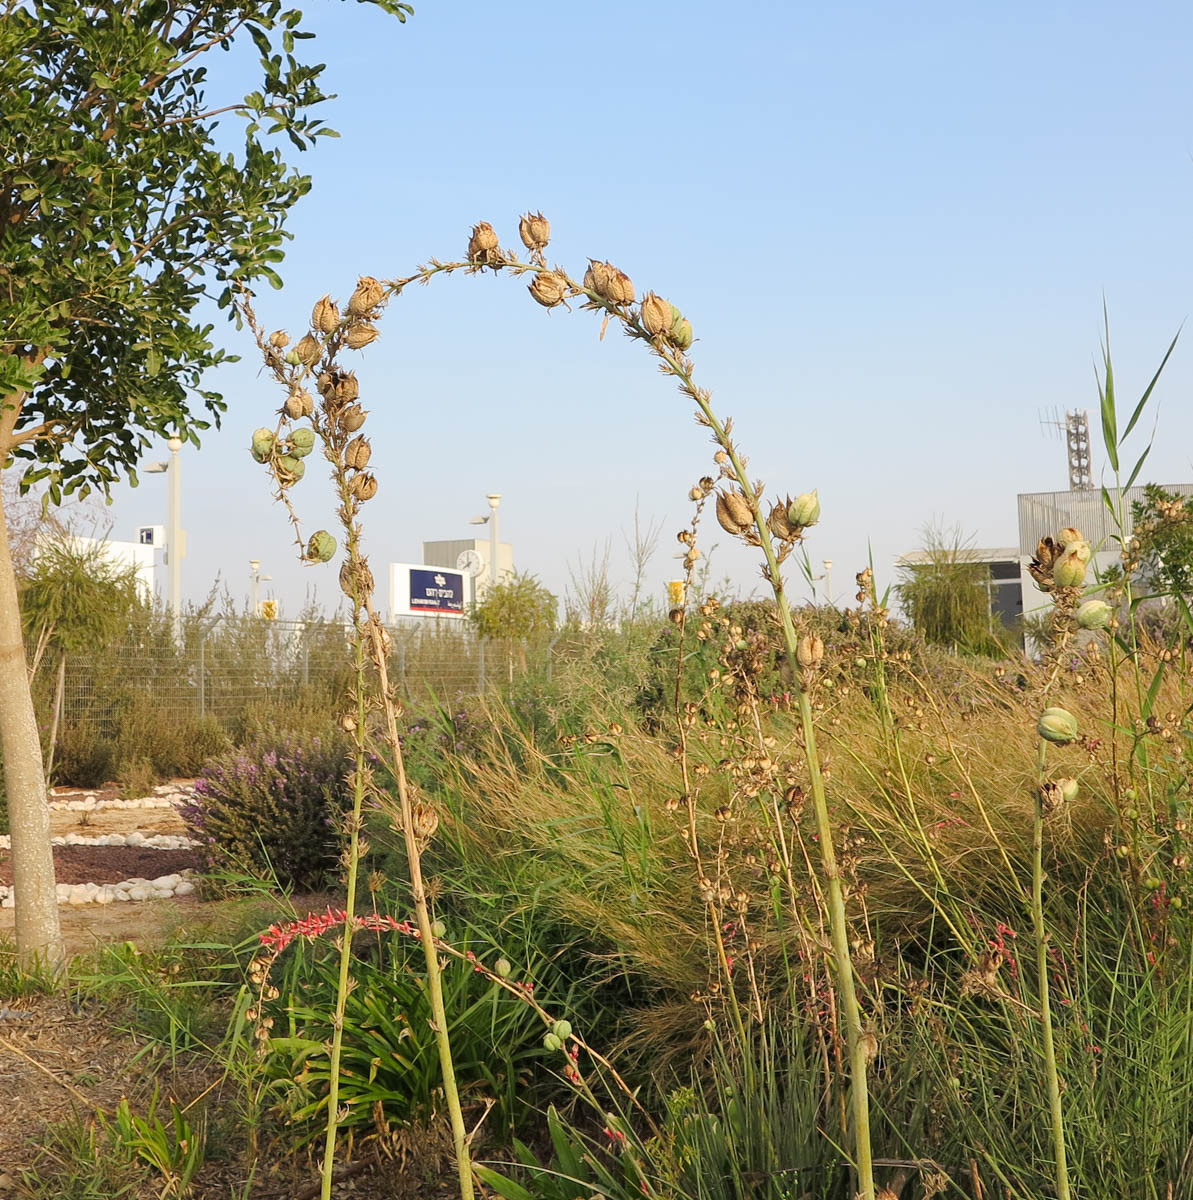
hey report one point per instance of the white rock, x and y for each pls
(8, 902)
(162, 893)
(140, 891)
(184, 888)
(167, 882)
(79, 894)
(106, 894)
(121, 895)
(136, 838)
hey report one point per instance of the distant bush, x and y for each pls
(272, 809)
(85, 757)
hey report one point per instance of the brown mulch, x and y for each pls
(111, 864)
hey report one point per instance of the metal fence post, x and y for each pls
(481, 665)
(202, 673)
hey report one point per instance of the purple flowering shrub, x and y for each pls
(272, 809)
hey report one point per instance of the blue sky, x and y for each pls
(891, 226)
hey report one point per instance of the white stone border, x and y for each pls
(143, 841)
(77, 894)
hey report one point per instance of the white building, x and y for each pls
(122, 556)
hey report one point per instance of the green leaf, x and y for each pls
(1148, 390)
(503, 1185)
(1106, 396)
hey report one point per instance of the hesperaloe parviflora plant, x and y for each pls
(334, 424)
(774, 530)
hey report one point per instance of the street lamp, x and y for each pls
(256, 579)
(175, 538)
(494, 499)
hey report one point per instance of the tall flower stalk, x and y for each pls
(335, 422)
(775, 532)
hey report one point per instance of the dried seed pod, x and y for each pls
(321, 547)
(357, 453)
(681, 336)
(810, 651)
(364, 485)
(620, 288)
(548, 289)
(482, 246)
(361, 335)
(369, 293)
(347, 388)
(290, 469)
(779, 523)
(424, 820)
(596, 278)
(1067, 536)
(535, 231)
(308, 350)
(353, 417)
(325, 316)
(656, 314)
(356, 579)
(734, 512)
(1051, 798)
(299, 404)
(279, 339)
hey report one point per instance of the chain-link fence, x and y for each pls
(230, 665)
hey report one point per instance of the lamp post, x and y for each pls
(494, 499)
(256, 579)
(175, 549)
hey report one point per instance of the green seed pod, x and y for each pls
(804, 510)
(681, 335)
(562, 1029)
(1094, 614)
(438, 929)
(321, 547)
(1057, 725)
(502, 968)
(1069, 570)
(551, 1042)
(1068, 789)
(263, 445)
(302, 442)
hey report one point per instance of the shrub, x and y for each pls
(84, 758)
(168, 745)
(271, 809)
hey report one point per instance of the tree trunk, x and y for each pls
(37, 930)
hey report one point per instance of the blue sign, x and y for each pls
(436, 591)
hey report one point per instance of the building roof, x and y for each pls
(1041, 514)
(971, 554)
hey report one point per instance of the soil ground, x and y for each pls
(111, 864)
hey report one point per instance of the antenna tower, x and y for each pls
(1074, 429)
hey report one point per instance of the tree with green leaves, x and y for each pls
(946, 597)
(1163, 524)
(517, 608)
(121, 211)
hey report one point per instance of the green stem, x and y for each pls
(337, 1035)
(423, 915)
(838, 919)
(1037, 909)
